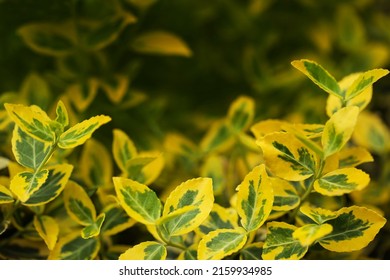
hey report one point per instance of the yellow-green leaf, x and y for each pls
(353, 156)
(353, 229)
(318, 215)
(310, 233)
(287, 157)
(62, 114)
(48, 229)
(187, 206)
(123, 149)
(319, 76)
(262, 128)
(252, 251)
(149, 250)
(338, 130)
(146, 167)
(213, 168)
(116, 87)
(341, 181)
(83, 93)
(241, 113)
(139, 202)
(116, 220)
(255, 198)
(81, 132)
(160, 43)
(285, 195)
(219, 218)
(221, 243)
(218, 138)
(32, 120)
(93, 230)
(25, 183)
(78, 204)
(35, 90)
(56, 180)
(280, 243)
(5, 195)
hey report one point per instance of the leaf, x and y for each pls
(139, 202)
(219, 218)
(338, 130)
(81, 132)
(319, 76)
(218, 138)
(254, 199)
(353, 156)
(308, 234)
(74, 247)
(149, 250)
(262, 128)
(48, 38)
(36, 90)
(5, 195)
(187, 206)
(32, 120)
(116, 220)
(27, 150)
(57, 178)
(160, 43)
(213, 168)
(123, 149)
(93, 230)
(116, 87)
(221, 243)
(342, 181)
(280, 244)
(25, 183)
(78, 205)
(318, 215)
(48, 229)
(353, 229)
(82, 94)
(62, 114)
(252, 251)
(241, 113)
(285, 195)
(146, 167)
(287, 157)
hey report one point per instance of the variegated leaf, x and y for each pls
(319, 76)
(280, 243)
(310, 233)
(26, 183)
(116, 220)
(62, 114)
(56, 180)
(116, 87)
(152, 171)
(187, 206)
(191, 254)
(123, 149)
(48, 229)
(252, 251)
(5, 195)
(353, 229)
(341, 181)
(149, 250)
(219, 218)
(255, 199)
(318, 215)
(81, 132)
(93, 230)
(262, 128)
(83, 93)
(221, 243)
(241, 113)
(353, 156)
(139, 202)
(338, 130)
(286, 196)
(218, 138)
(213, 168)
(287, 157)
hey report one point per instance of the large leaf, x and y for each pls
(287, 157)
(48, 229)
(81, 132)
(280, 243)
(221, 243)
(26, 183)
(310, 233)
(5, 195)
(254, 199)
(353, 229)
(149, 250)
(241, 113)
(139, 202)
(187, 206)
(338, 130)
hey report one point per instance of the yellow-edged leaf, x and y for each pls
(218, 138)
(151, 171)
(318, 215)
(213, 168)
(123, 149)
(81, 132)
(116, 87)
(62, 114)
(252, 251)
(83, 94)
(255, 198)
(149, 250)
(116, 220)
(93, 230)
(25, 183)
(310, 233)
(48, 229)
(6, 195)
(219, 218)
(285, 195)
(241, 113)
(353, 156)
(262, 128)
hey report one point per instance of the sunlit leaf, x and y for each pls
(219, 218)
(318, 215)
(353, 156)
(149, 250)
(285, 195)
(310, 233)
(262, 128)
(48, 229)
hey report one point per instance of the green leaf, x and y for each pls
(286, 196)
(342, 181)
(116, 220)
(219, 218)
(93, 229)
(318, 215)
(139, 202)
(287, 158)
(353, 229)
(221, 243)
(319, 76)
(48, 229)
(255, 199)
(149, 250)
(252, 251)
(310, 233)
(5, 195)
(25, 183)
(280, 243)
(56, 180)
(123, 149)
(81, 132)
(241, 113)
(338, 130)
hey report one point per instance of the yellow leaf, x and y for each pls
(353, 156)
(123, 149)
(263, 128)
(82, 94)
(152, 170)
(310, 233)
(116, 88)
(25, 183)
(241, 113)
(285, 195)
(149, 250)
(6, 195)
(48, 229)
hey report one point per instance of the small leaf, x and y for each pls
(83, 93)
(93, 229)
(353, 229)
(160, 43)
(139, 202)
(252, 251)
(285, 195)
(213, 168)
(116, 220)
(48, 229)
(5, 195)
(81, 132)
(353, 156)
(149, 250)
(123, 149)
(287, 157)
(342, 181)
(338, 130)
(319, 76)
(221, 243)
(25, 183)
(62, 114)
(36, 90)
(116, 87)
(308, 234)
(254, 199)
(318, 215)
(219, 218)
(241, 113)
(218, 138)
(280, 244)
(262, 128)
(78, 204)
